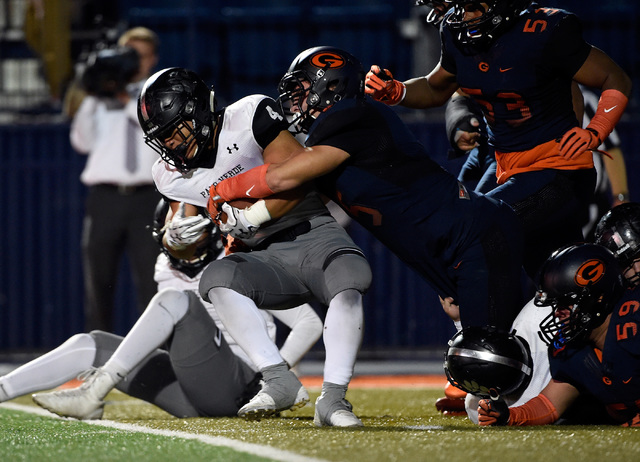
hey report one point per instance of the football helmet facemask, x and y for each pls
(319, 77)
(438, 8)
(479, 359)
(479, 32)
(619, 231)
(176, 99)
(208, 248)
(581, 283)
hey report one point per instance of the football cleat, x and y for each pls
(334, 413)
(453, 402)
(83, 403)
(281, 391)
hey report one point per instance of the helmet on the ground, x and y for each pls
(437, 10)
(208, 248)
(481, 358)
(321, 77)
(479, 32)
(173, 99)
(619, 231)
(581, 283)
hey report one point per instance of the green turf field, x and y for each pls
(400, 425)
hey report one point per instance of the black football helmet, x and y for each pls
(584, 280)
(321, 77)
(207, 251)
(479, 359)
(177, 98)
(438, 8)
(478, 33)
(619, 231)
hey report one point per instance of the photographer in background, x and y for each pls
(121, 195)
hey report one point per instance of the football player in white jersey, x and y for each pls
(304, 255)
(177, 356)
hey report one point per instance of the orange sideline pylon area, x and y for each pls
(360, 381)
(384, 381)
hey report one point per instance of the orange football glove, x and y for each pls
(635, 422)
(493, 411)
(578, 140)
(214, 204)
(381, 86)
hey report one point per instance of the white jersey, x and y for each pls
(526, 326)
(237, 150)
(168, 277)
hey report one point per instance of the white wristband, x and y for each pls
(404, 93)
(257, 214)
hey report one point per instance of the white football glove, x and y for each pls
(183, 231)
(237, 224)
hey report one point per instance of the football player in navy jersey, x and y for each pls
(592, 331)
(365, 159)
(517, 60)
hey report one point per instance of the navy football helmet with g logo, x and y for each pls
(478, 33)
(177, 99)
(319, 77)
(481, 358)
(581, 283)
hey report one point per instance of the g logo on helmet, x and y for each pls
(326, 60)
(589, 272)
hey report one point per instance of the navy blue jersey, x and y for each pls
(611, 375)
(523, 81)
(411, 204)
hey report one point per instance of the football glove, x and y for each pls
(183, 231)
(381, 86)
(237, 224)
(578, 140)
(635, 422)
(214, 203)
(493, 411)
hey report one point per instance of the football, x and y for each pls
(239, 204)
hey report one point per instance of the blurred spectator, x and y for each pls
(121, 194)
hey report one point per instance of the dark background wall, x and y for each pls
(243, 47)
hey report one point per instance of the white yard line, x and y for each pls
(255, 449)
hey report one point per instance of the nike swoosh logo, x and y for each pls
(611, 108)
(248, 193)
(505, 70)
(627, 381)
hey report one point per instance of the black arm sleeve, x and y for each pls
(458, 116)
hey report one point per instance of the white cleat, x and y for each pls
(281, 391)
(335, 414)
(85, 402)
(263, 405)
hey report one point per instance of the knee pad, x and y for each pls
(222, 273)
(347, 269)
(173, 301)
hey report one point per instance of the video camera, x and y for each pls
(108, 71)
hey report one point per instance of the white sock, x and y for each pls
(51, 369)
(151, 330)
(246, 325)
(342, 336)
(306, 329)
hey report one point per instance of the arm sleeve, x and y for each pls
(538, 411)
